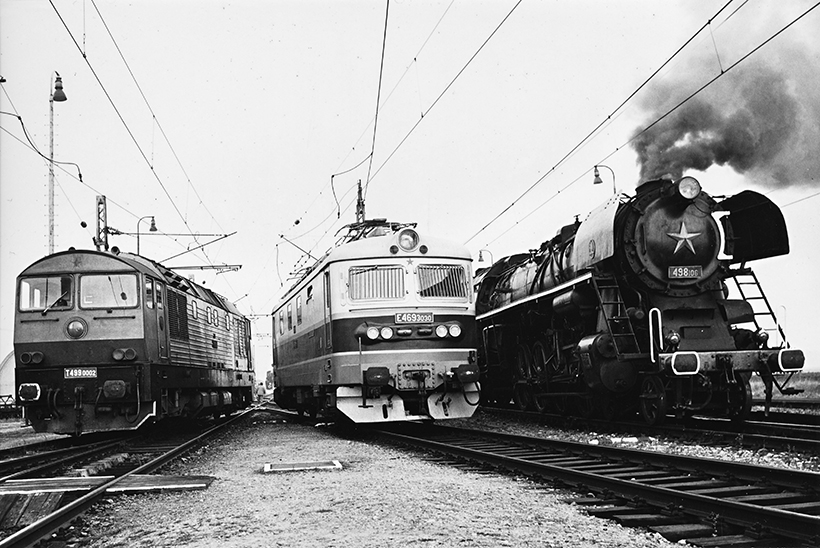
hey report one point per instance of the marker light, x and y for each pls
(372, 333)
(441, 331)
(455, 330)
(673, 338)
(689, 188)
(408, 239)
(387, 333)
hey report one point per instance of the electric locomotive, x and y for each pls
(110, 340)
(381, 329)
(647, 304)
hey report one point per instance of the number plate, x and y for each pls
(414, 317)
(80, 372)
(685, 272)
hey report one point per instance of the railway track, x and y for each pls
(703, 502)
(782, 431)
(106, 468)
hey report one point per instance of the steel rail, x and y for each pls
(48, 524)
(74, 453)
(780, 522)
(803, 436)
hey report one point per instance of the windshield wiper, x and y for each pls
(58, 299)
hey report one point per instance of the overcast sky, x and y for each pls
(218, 117)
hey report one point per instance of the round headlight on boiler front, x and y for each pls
(441, 331)
(372, 333)
(76, 328)
(689, 188)
(455, 330)
(408, 239)
(387, 333)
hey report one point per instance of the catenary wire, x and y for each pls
(602, 123)
(122, 120)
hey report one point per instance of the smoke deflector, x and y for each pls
(755, 228)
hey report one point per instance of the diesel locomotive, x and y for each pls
(381, 329)
(109, 340)
(647, 305)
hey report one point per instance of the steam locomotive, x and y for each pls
(108, 341)
(647, 305)
(381, 329)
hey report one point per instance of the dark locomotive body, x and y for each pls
(381, 329)
(108, 341)
(647, 304)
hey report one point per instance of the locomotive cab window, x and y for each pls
(109, 291)
(281, 322)
(48, 293)
(299, 310)
(442, 281)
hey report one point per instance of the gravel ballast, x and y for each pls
(382, 497)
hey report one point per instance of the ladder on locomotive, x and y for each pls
(616, 317)
(763, 315)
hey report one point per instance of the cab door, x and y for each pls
(162, 327)
(155, 327)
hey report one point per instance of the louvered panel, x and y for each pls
(376, 282)
(442, 281)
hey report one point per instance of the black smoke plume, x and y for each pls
(761, 119)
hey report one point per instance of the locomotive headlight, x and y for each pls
(386, 333)
(408, 239)
(455, 330)
(441, 331)
(118, 354)
(76, 328)
(372, 333)
(689, 188)
(762, 337)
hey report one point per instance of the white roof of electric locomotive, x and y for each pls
(377, 246)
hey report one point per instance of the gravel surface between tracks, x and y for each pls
(383, 497)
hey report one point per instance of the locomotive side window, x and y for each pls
(299, 310)
(376, 282)
(49, 293)
(290, 316)
(159, 296)
(442, 280)
(194, 310)
(149, 293)
(110, 291)
(281, 322)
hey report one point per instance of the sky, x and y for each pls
(220, 117)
